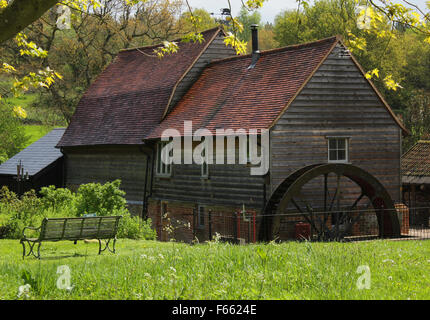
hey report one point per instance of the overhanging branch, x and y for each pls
(21, 13)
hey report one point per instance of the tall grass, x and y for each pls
(154, 270)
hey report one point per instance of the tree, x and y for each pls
(266, 37)
(18, 14)
(12, 137)
(321, 20)
(205, 20)
(247, 18)
(80, 53)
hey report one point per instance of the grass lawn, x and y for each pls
(24, 100)
(35, 132)
(155, 270)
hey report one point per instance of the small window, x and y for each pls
(162, 168)
(201, 217)
(337, 149)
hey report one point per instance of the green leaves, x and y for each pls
(106, 199)
(390, 83)
(193, 37)
(29, 48)
(234, 42)
(168, 47)
(371, 73)
(262, 254)
(254, 4)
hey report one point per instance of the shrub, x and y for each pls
(19, 213)
(135, 228)
(106, 199)
(56, 198)
(29, 210)
(7, 196)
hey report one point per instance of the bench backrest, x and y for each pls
(56, 229)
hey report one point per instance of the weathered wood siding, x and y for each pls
(227, 185)
(103, 164)
(216, 50)
(337, 101)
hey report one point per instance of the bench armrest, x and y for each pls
(32, 228)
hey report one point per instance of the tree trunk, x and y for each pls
(21, 13)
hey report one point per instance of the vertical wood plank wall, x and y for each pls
(337, 101)
(103, 164)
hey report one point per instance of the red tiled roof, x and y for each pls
(416, 161)
(229, 95)
(129, 97)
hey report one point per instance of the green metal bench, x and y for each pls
(73, 229)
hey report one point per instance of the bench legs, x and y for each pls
(31, 246)
(107, 246)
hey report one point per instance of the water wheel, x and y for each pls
(333, 215)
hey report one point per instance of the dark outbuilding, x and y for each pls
(41, 165)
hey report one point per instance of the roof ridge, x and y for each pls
(276, 50)
(160, 44)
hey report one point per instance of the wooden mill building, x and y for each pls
(313, 99)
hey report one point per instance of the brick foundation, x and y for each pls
(180, 222)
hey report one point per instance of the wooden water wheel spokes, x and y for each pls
(332, 217)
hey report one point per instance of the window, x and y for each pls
(201, 216)
(338, 149)
(162, 168)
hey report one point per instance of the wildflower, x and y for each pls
(147, 275)
(138, 295)
(259, 276)
(143, 256)
(390, 278)
(173, 269)
(161, 256)
(388, 260)
(24, 291)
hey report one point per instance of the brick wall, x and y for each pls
(180, 222)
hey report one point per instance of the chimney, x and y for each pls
(255, 50)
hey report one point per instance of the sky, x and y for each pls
(270, 7)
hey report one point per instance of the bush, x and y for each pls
(7, 196)
(29, 210)
(135, 228)
(56, 198)
(104, 200)
(19, 213)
